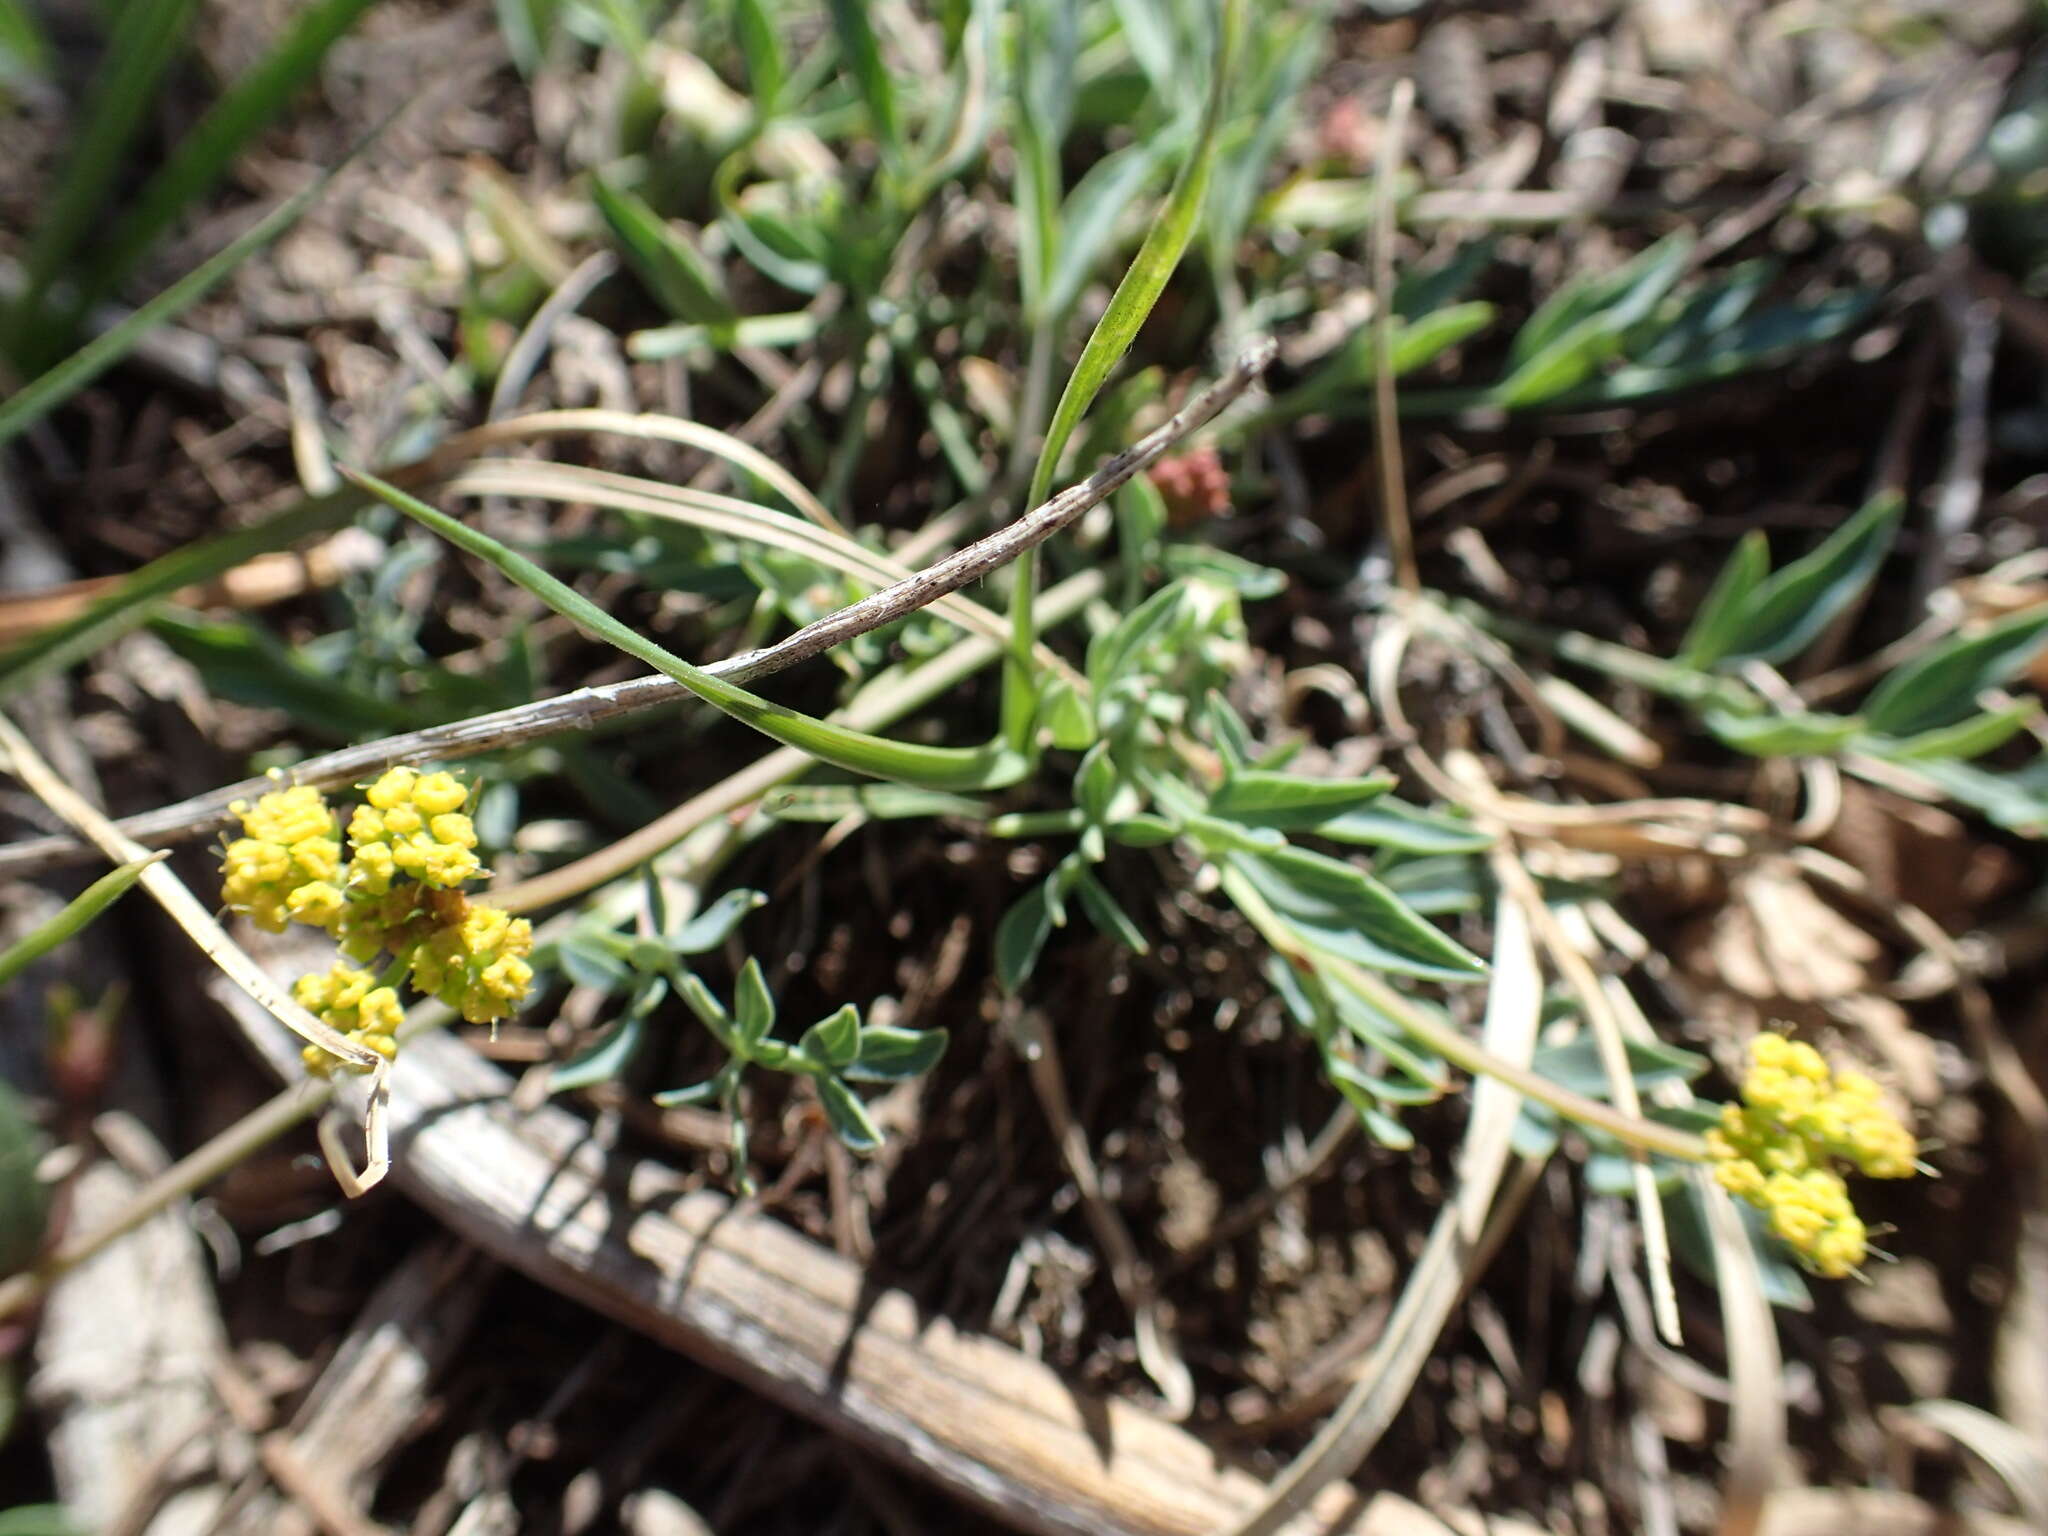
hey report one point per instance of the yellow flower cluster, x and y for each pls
(286, 862)
(353, 1003)
(1777, 1150)
(477, 966)
(410, 848)
(413, 828)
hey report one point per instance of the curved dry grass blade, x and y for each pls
(2019, 1462)
(719, 514)
(199, 924)
(664, 429)
(1514, 1010)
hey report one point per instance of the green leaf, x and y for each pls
(1577, 1065)
(1787, 612)
(990, 766)
(1064, 715)
(1245, 577)
(752, 1004)
(1292, 802)
(1114, 652)
(891, 1055)
(1395, 824)
(73, 920)
(1144, 830)
(613, 1054)
(1095, 782)
(761, 45)
(1099, 202)
(1784, 1285)
(1106, 914)
(1720, 617)
(1782, 735)
(145, 41)
(1346, 912)
(849, 1117)
(1021, 936)
(43, 394)
(835, 1041)
(715, 924)
(204, 154)
(1941, 688)
(24, 1198)
(875, 802)
(684, 283)
(588, 955)
(1128, 306)
(1584, 324)
(862, 56)
(1974, 737)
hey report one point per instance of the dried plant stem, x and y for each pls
(586, 707)
(1386, 422)
(199, 923)
(198, 1168)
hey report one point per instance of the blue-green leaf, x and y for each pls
(834, 1041)
(1720, 617)
(1787, 612)
(892, 1055)
(1345, 911)
(849, 1117)
(1941, 688)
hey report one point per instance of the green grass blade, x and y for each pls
(44, 393)
(986, 767)
(863, 56)
(145, 41)
(1112, 337)
(73, 920)
(684, 283)
(205, 153)
(129, 605)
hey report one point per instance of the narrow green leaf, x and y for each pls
(681, 280)
(715, 924)
(1721, 615)
(1128, 306)
(1099, 202)
(1343, 910)
(1572, 354)
(836, 1040)
(753, 1006)
(1782, 735)
(145, 41)
(1392, 823)
(1021, 936)
(73, 920)
(1578, 1065)
(612, 1054)
(849, 1117)
(204, 154)
(990, 766)
(24, 1198)
(1108, 915)
(129, 605)
(1941, 687)
(1291, 801)
(863, 57)
(891, 1055)
(761, 46)
(1789, 610)
(1966, 739)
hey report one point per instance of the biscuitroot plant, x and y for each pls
(387, 887)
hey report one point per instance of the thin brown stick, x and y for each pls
(1386, 424)
(586, 707)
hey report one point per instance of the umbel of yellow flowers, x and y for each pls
(410, 848)
(1778, 1149)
